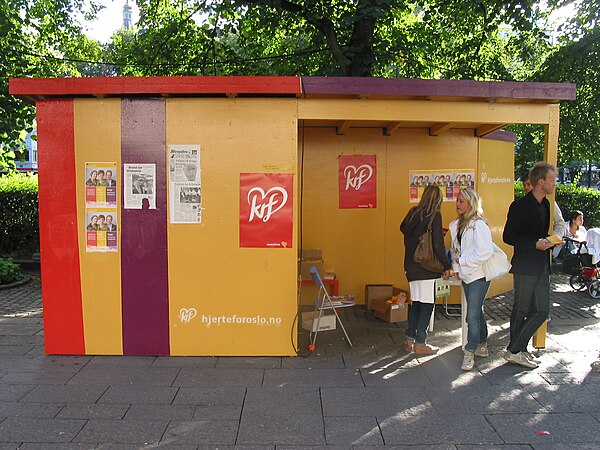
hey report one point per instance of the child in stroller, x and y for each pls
(583, 272)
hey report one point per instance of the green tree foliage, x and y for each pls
(480, 39)
(575, 58)
(38, 38)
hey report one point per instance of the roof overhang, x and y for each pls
(340, 102)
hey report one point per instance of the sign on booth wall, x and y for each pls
(357, 181)
(101, 207)
(450, 182)
(266, 210)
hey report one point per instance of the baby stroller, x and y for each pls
(579, 265)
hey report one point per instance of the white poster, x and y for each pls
(185, 185)
(140, 184)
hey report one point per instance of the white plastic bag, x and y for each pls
(497, 266)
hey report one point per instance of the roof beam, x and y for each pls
(391, 127)
(342, 127)
(484, 130)
(440, 128)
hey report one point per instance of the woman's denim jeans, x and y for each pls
(419, 315)
(476, 325)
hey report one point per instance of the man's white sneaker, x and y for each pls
(468, 361)
(531, 357)
(482, 350)
(520, 359)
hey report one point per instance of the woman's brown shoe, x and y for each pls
(409, 345)
(425, 349)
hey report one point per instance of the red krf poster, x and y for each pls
(266, 210)
(358, 181)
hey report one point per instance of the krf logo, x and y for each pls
(185, 314)
(264, 204)
(357, 176)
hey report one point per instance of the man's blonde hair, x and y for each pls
(540, 171)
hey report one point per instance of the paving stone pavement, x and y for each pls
(373, 395)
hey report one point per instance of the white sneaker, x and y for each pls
(482, 350)
(468, 361)
(531, 357)
(520, 359)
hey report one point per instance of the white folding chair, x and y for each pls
(325, 302)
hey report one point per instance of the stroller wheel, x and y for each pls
(594, 289)
(577, 282)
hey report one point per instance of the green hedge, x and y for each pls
(571, 197)
(18, 213)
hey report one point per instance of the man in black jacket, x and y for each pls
(526, 229)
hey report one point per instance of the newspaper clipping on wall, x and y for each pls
(185, 185)
(140, 185)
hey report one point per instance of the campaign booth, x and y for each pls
(173, 210)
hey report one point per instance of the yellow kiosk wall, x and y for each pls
(207, 268)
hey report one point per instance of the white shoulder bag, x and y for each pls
(497, 266)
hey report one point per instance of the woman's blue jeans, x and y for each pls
(477, 331)
(419, 315)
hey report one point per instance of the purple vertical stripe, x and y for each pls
(144, 234)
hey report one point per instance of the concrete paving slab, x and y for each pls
(381, 402)
(22, 429)
(159, 412)
(580, 446)
(352, 431)
(493, 447)
(488, 400)
(219, 377)
(121, 431)
(32, 410)
(185, 361)
(427, 430)
(93, 411)
(282, 416)
(12, 350)
(312, 377)
(210, 396)
(395, 376)
(569, 398)
(218, 412)
(104, 375)
(569, 428)
(236, 362)
(71, 364)
(14, 392)
(122, 361)
(314, 360)
(206, 432)
(64, 394)
(162, 395)
(51, 446)
(45, 377)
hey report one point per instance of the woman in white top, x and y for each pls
(472, 246)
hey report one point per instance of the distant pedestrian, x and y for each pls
(421, 280)
(472, 246)
(527, 228)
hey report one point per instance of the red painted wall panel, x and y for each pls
(61, 283)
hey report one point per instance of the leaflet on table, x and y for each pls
(100, 184)
(140, 184)
(185, 184)
(101, 230)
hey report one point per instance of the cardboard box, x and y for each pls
(305, 268)
(309, 321)
(379, 292)
(391, 312)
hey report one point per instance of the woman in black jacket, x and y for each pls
(422, 281)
